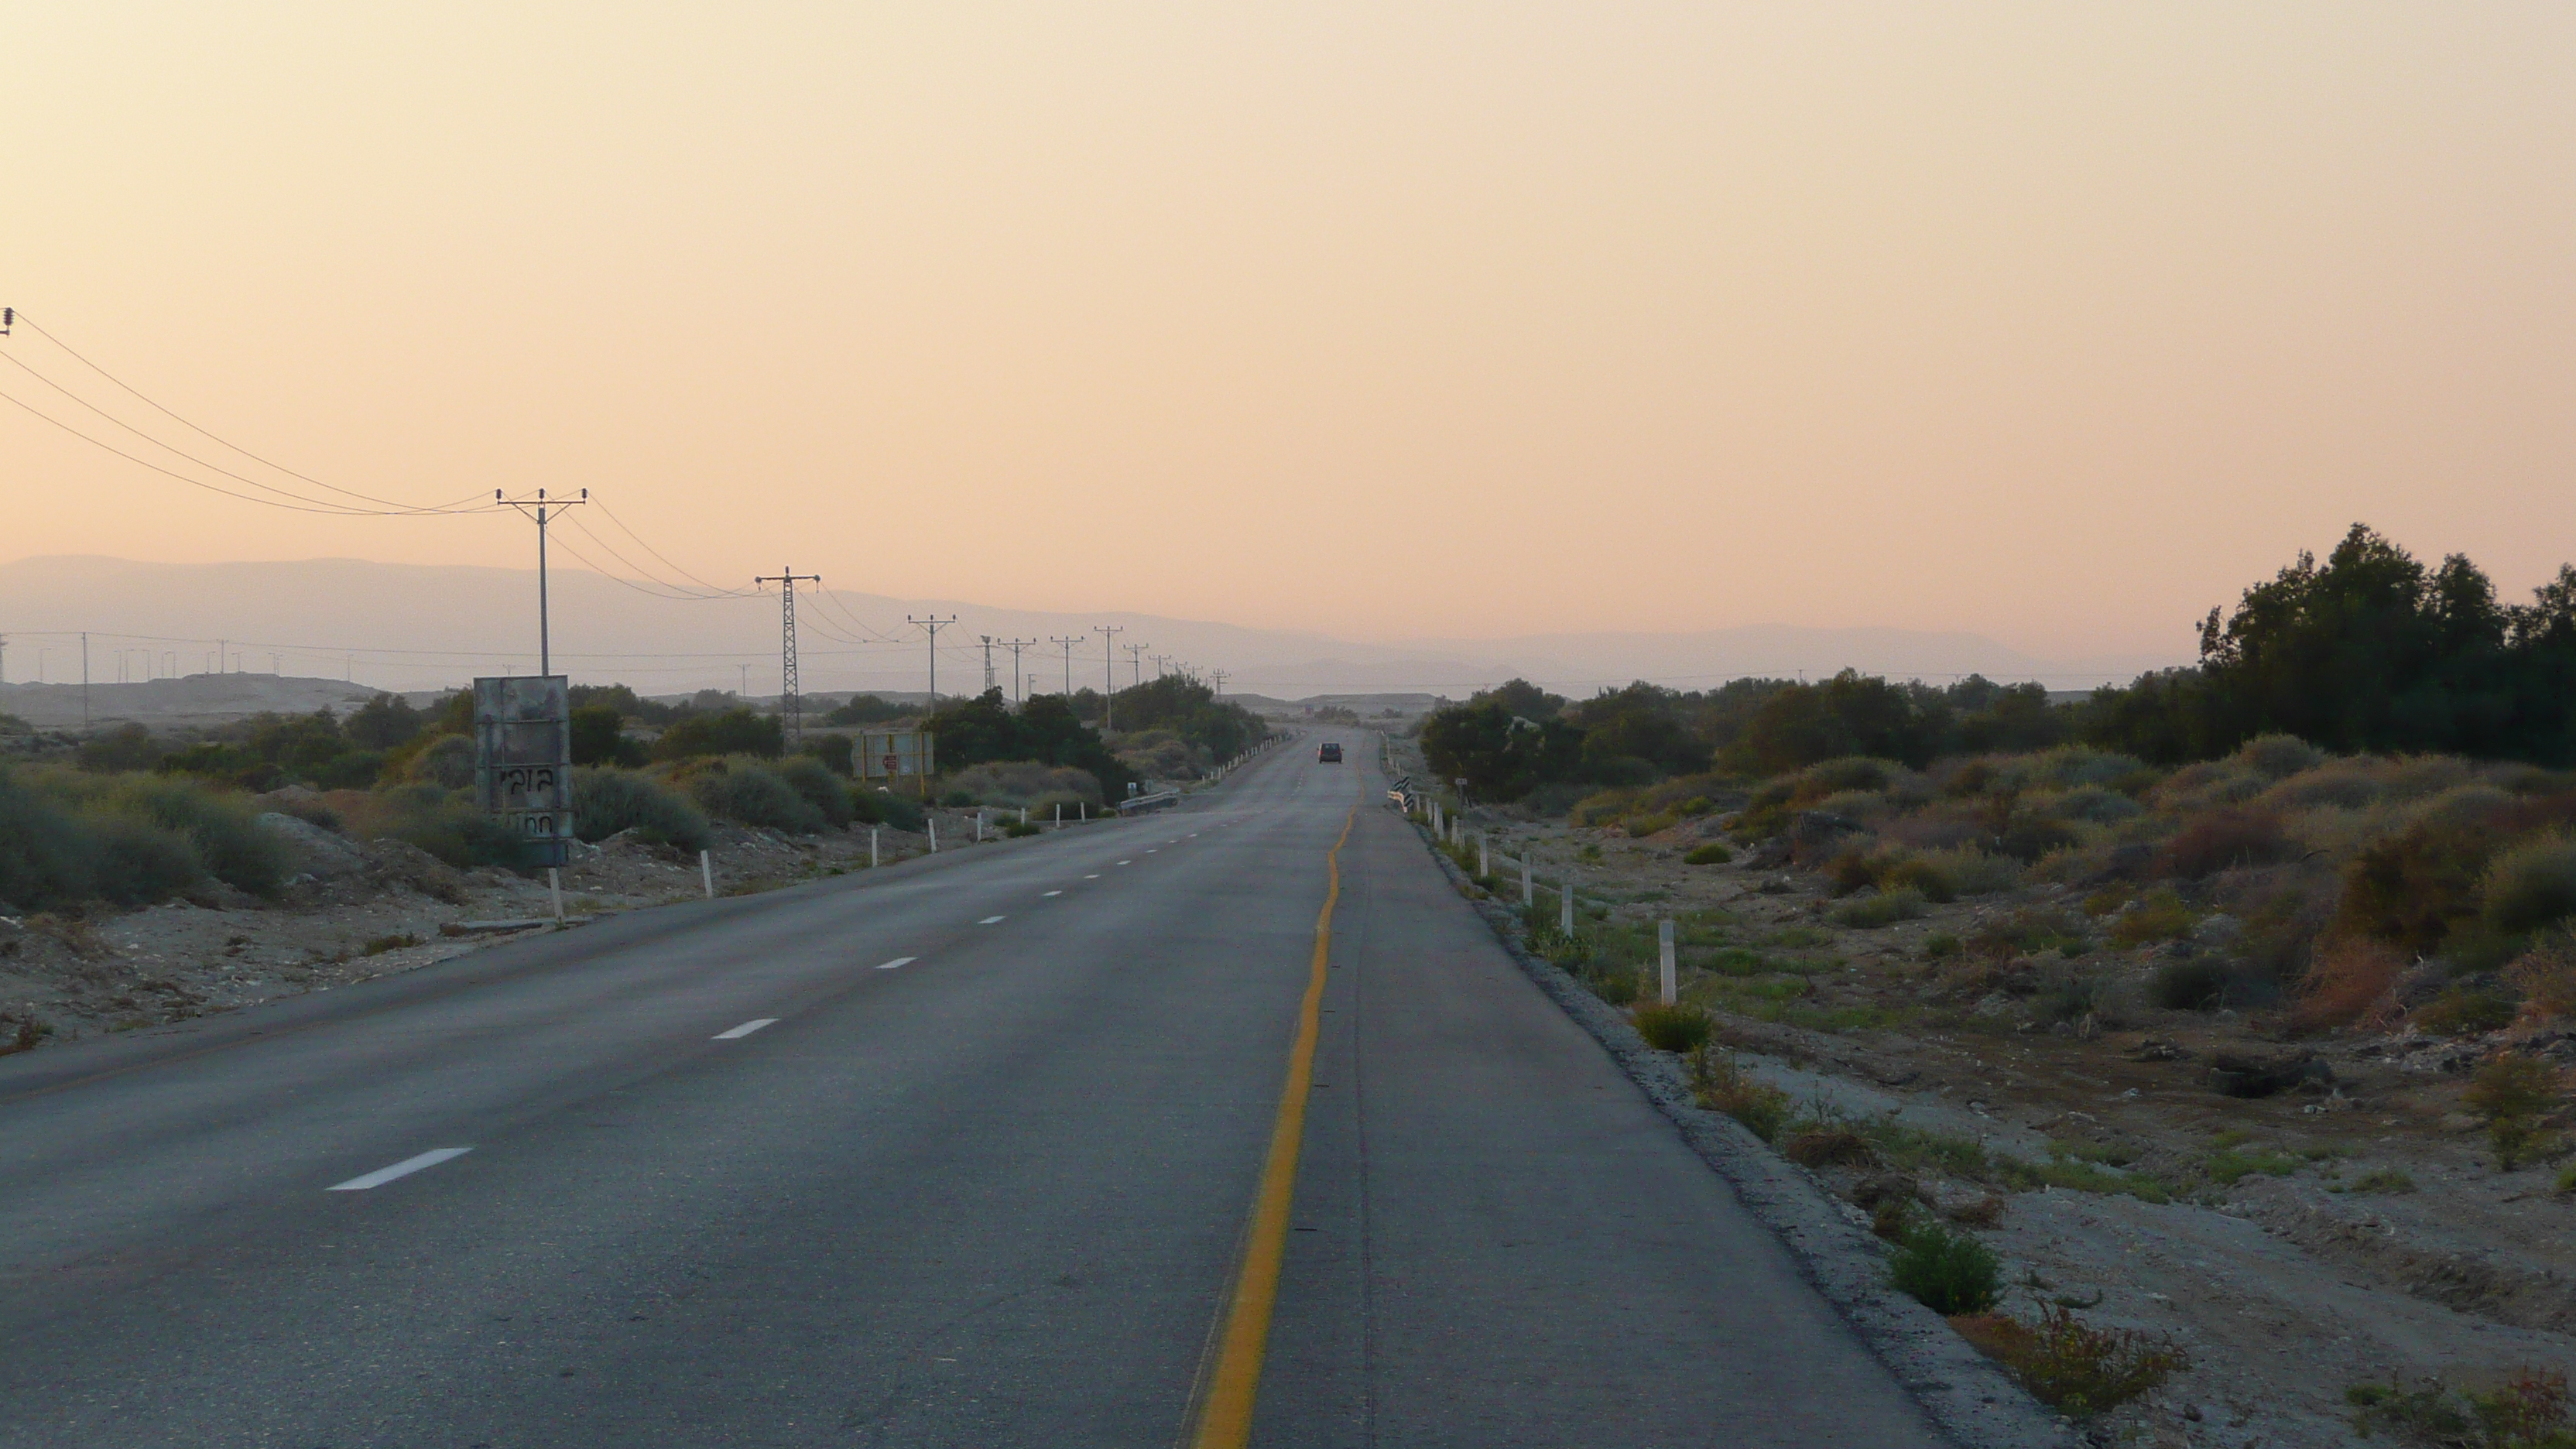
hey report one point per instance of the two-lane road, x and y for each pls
(964, 1155)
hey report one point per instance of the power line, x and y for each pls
(786, 579)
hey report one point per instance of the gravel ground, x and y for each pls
(2371, 1239)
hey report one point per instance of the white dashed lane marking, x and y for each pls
(746, 1029)
(988, 920)
(1055, 893)
(404, 1168)
(897, 961)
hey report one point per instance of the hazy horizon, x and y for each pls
(2055, 325)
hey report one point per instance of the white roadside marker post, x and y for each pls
(554, 887)
(1664, 948)
(872, 847)
(1024, 815)
(1565, 909)
(979, 827)
(707, 871)
(1484, 856)
(1529, 888)
(933, 822)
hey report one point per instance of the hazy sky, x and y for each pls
(2056, 321)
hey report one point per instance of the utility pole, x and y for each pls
(84, 679)
(540, 508)
(1136, 662)
(4, 659)
(1068, 642)
(786, 578)
(933, 624)
(1108, 673)
(745, 691)
(1159, 661)
(1018, 680)
(989, 686)
(1219, 676)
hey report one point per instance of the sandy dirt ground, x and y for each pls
(2351, 1228)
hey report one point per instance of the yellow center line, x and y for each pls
(1225, 1416)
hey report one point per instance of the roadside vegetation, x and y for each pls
(126, 816)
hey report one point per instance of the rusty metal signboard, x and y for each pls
(523, 759)
(893, 754)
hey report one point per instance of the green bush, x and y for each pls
(2530, 884)
(447, 824)
(1949, 1273)
(138, 862)
(1676, 1028)
(736, 731)
(46, 859)
(221, 824)
(822, 789)
(1713, 853)
(741, 789)
(606, 801)
(1885, 908)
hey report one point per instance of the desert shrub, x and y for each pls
(1884, 908)
(220, 824)
(2527, 1411)
(2070, 1365)
(1031, 783)
(2546, 976)
(2095, 805)
(2465, 1009)
(1641, 826)
(2384, 1179)
(2029, 835)
(2278, 757)
(445, 823)
(2065, 996)
(2161, 916)
(46, 859)
(1677, 1028)
(1943, 875)
(2530, 884)
(1713, 853)
(902, 812)
(137, 862)
(1940, 944)
(815, 781)
(606, 801)
(1949, 1273)
(2349, 980)
(2199, 984)
(2513, 1093)
(2226, 840)
(1016, 830)
(446, 761)
(742, 789)
(1722, 1085)
(1826, 1146)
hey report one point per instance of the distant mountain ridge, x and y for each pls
(410, 626)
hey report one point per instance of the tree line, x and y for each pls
(2367, 650)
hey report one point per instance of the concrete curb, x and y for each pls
(1970, 1400)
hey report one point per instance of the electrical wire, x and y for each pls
(333, 510)
(84, 361)
(657, 553)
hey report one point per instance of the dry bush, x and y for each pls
(2349, 983)
(2530, 884)
(2546, 977)
(1721, 1084)
(2071, 1365)
(2227, 839)
(2278, 757)
(1826, 1147)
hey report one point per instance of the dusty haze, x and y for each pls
(2056, 323)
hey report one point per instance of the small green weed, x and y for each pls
(1722, 1085)
(2383, 1179)
(1677, 1028)
(1949, 1273)
(381, 944)
(1713, 853)
(2160, 917)
(1884, 908)
(1940, 944)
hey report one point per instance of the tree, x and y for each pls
(383, 722)
(736, 731)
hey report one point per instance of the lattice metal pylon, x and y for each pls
(790, 707)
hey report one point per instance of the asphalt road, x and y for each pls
(997, 1194)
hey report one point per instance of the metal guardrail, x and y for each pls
(1155, 801)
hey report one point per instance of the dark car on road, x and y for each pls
(1329, 753)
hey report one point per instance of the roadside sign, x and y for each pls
(523, 759)
(893, 754)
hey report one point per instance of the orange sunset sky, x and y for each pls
(2059, 322)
